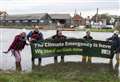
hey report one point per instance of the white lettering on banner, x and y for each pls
(54, 44)
(104, 46)
(38, 45)
(105, 51)
(79, 44)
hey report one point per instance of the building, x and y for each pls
(78, 20)
(29, 19)
(102, 17)
(61, 20)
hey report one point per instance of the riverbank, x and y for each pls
(64, 29)
(64, 72)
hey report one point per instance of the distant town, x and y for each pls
(53, 21)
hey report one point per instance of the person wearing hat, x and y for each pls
(87, 37)
(115, 40)
(16, 47)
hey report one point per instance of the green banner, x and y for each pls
(93, 48)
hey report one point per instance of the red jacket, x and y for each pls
(36, 36)
(18, 43)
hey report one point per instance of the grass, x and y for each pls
(101, 30)
(16, 27)
(63, 72)
(97, 30)
(29, 27)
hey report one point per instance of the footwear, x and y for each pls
(55, 59)
(89, 60)
(18, 66)
(62, 58)
(84, 59)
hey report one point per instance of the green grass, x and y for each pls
(63, 72)
(16, 27)
(101, 30)
(29, 27)
(97, 30)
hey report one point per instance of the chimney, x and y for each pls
(75, 12)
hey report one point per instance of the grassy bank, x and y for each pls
(64, 72)
(66, 29)
(16, 27)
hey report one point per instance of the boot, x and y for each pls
(55, 59)
(117, 67)
(33, 63)
(39, 60)
(89, 60)
(18, 66)
(111, 65)
(84, 59)
(62, 59)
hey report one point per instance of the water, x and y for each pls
(8, 62)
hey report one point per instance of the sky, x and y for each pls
(86, 7)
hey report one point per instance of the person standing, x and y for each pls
(59, 36)
(33, 36)
(16, 47)
(115, 40)
(87, 37)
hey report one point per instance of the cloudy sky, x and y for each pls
(86, 7)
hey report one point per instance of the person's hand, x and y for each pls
(5, 52)
(32, 39)
(27, 42)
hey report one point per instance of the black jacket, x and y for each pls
(115, 42)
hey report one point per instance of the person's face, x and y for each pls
(23, 34)
(59, 33)
(36, 29)
(88, 33)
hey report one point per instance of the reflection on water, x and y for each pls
(7, 36)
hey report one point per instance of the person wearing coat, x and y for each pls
(87, 37)
(16, 47)
(59, 36)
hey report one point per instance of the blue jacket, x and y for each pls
(31, 33)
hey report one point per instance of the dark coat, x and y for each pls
(115, 41)
(59, 37)
(88, 37)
